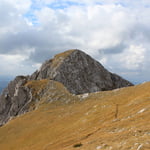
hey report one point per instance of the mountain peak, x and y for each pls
(74, 69)
(100, 119)
(79, 73)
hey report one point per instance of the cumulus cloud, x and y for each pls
(14, 63)
(133, 57)
(114, 32)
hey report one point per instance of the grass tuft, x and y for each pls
(77, 145)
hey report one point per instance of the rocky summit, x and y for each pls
(77, 71)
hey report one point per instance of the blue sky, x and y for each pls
(114, 32)
(55, 5)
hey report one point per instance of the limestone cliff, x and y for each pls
(14, 99)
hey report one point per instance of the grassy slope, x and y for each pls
(88, 120)
(59, 58)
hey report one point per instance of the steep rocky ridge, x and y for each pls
(77, 71)
(28, 95)
(14, 99)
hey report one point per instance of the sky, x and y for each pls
(114, 32)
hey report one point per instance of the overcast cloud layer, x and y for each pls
(115, 32)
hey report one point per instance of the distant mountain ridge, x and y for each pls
(77, 71)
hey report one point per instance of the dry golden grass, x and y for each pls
(86, 121)
(37, 85)
(64, 54)
(59, 58)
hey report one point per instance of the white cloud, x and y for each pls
(10, 62)
(12, 65)
(133, 58)
(20, 6)
(115, 32)
(11, 15)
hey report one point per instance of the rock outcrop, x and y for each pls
(14, 99)
(77, 71)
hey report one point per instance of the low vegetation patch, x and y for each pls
(77, 145)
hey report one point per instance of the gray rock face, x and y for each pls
(14, 99)
(80, 73)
